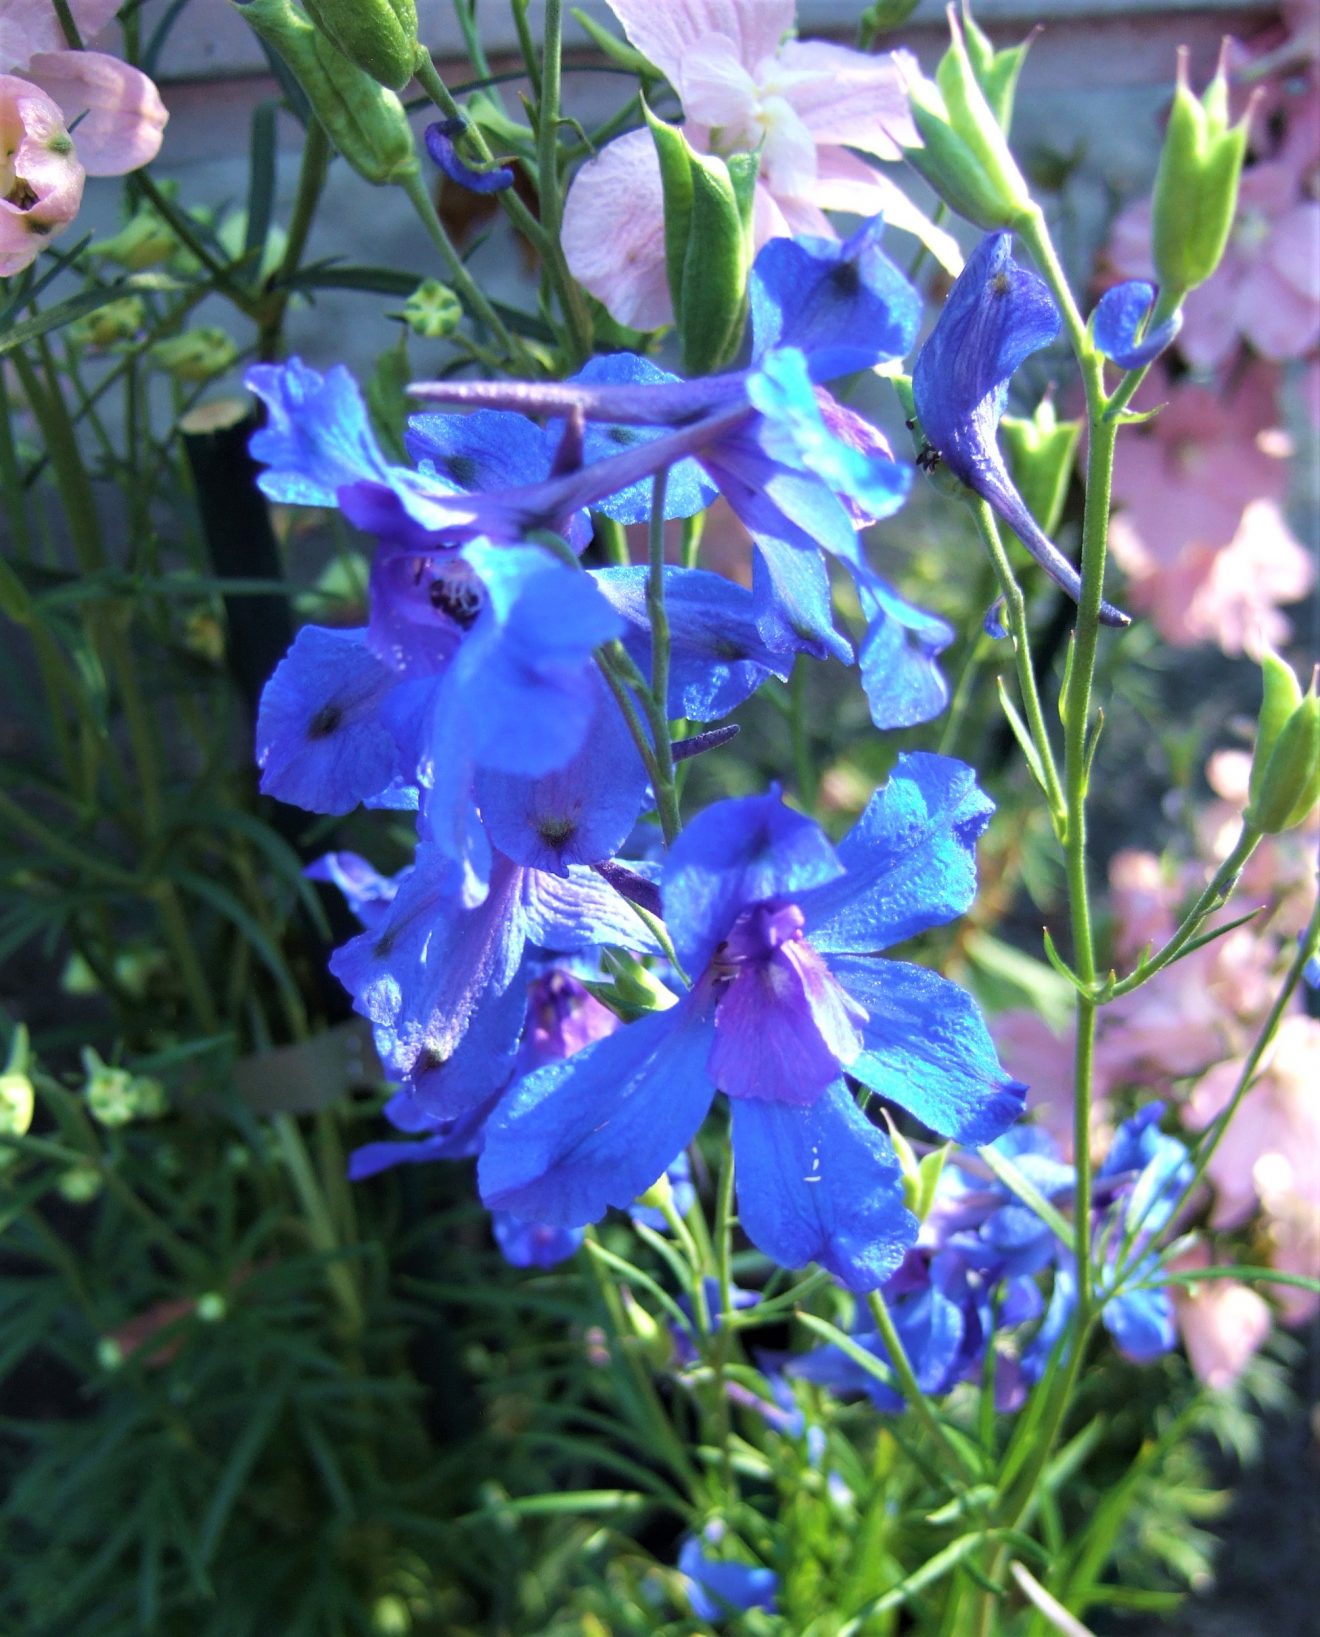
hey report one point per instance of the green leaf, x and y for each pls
(261, 182)
(1022, 735)
(243, 1457)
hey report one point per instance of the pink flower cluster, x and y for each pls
(1185, 1035)
(1201, 530)
(115, 112)
(812, 109)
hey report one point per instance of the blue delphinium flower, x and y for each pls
(778, 931)
(440, 136)
(997, 314)
(1117, 325)
(533, 1244)
(720, 1587)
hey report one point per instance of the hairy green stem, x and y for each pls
(917, 1401)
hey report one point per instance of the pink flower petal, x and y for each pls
(663, 30)
(846, 182)
(614, 232)
(30, 26)
(121, 119)
(716, 88)
(1223, 1324)
(41, 180)
(845, 97)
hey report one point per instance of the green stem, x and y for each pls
(917, 1401)
(1015, 612)
(313, 169)
(804, 765)
(320, 1224)
(473, 297)
(1212, 898)
(666, 796)
(549, 250)
(576, 316)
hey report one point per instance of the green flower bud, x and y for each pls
(211, 1307)
(144, 241)
(109, 1354)
(996, 71)
(109, 1092)
(658, 1195)
(633, 990)
(966, 157)
(80, 1184)
(1040, 453)
(882, 18)
(432, 311)
(708, 245)
(380, 36)
(1281, 693)
(1290, 786)
(363, 118)
(197, 355)
(17, 1101)
(1197, 182)
(117, 321)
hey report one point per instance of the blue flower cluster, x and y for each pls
(473, 698)
(966, 1299)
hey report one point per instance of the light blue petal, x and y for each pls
(910, 859)
(718, 657)
(580, 910)
(791, 597)
(581, 813)
(320, 741)
(732, 856)
(928, 1050)
(902, 682)
(1116, 325)
(821, 1184)
(718, 1587)
(845, 305)
(600, 1127)
(533, 1244)
(687, 488)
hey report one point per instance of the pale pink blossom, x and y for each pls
(41, 181)
(1231, 595)
(1044, 1060)
(117, 111)
(1144, 898)
(1269, 1159)
(1223, 1322)
(811, 108)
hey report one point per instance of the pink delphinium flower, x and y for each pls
(41, 181)
(120, 116)
(1200, 531)
(1222, 1321)
(1033, 1051)
(810, 107)
(1269, 1158)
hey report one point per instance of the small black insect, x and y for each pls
(928, 458)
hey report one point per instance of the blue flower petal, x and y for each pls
(845, 305)
(599, 1128)
(900, 677)
(320, 742)
(795, 434)
(582, 812)
(434, 975)
(1142, 1322)
(821, 1184)
(928, 1050)
(1116, 325)
(580, 910)
(736, 854)
(791, 599)
(533, 1244)
(718, 657)
(687, 489)
(440, 136)
(718, 1587)
(910, 859)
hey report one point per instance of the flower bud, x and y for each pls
(633, 990)
(379, 36)
(195, 356)
(363, 118)
(1290, 785)
(432, 311)
(882, 18)
(1281, 693)
(1197, 182)
(145, 240)
(108, 1091)
(17, 1101)
(212, 1306)
(658, 1195)
(80, 1184)
(117, 321)
(996, 71)
(708, 245)
(965, 155)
